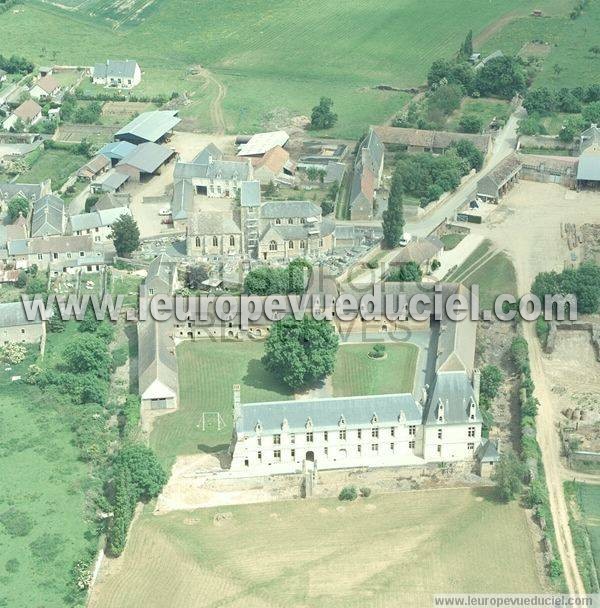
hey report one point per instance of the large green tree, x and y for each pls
(17, 205)
(87, 353)
(393, 216)
(125, 235)
(508, 475)
(323, 116)
(301, 352)
(147, 474)
(501, 77)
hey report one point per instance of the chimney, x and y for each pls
(476, 383)
(237, 402)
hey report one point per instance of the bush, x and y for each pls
(16, 523)
(365, 492)
(14, 353)
(348, 493)
(378, 351)
(119, 356)
(470, 124)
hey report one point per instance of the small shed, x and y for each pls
(488, 455)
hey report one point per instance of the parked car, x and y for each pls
(164, 211)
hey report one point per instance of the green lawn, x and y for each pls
(479, 252)
(57, 165)
(269, 56)
(387, 551)
(357, 374)
(127, 285)
(485, 109)
(44, 483)
(208, 370)
(569, 40)
(451, 240)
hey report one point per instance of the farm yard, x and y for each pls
(404, 548)
(259, 52)
(208, 370)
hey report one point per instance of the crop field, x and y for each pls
(385, 551)
(42, 501)
(266, 57)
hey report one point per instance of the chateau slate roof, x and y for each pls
(32, 192)
(97, 219)
(455, 391)
(326, 414)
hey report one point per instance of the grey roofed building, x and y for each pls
(12, 314)
(289, 209)
(147, 157)
(112, 200)
(419, 251)
(94, 166)
(334, 173)
(250, 194)
(183, 199)
(110, 182)
(117, 150)
(237, 170)
(454, 392)
(32, 192)
(206, 154)
(588, 168)
(488, 452)
(589, 138)
(51, 244)
(207, 223)
(149, 126)
(325, 414)
(493, 184)
(161, 275)
(157, 365)
(48, 217)
(115, 69)
(97, 219)
(372, 151)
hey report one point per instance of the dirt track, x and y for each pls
(527, 224)
(216, 105)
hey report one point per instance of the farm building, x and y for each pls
(157, 365)
(588, 169)
(212, 175)
(368, 169)
(97, 224)
(436, 142)
(153, 126)
(274, 166)
(49, 217)
(96, 166)
(493, 186)
(488, 455)
(32, 192)
(421, 251)
(145, 161)
(121, 74)
(552, 169)
(319, 155)
(45, 88)
(116, 151)
(112, 181)
(29, 113)
(15, 327)
(261, 143)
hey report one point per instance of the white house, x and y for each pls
(45, 88)
(117, 73)
(97, 224)
(29, 113)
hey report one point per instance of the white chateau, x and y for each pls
(442, 424)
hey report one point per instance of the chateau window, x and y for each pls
(439, 433)
(292, 438)
(291, 245)
(343, 434)
(276, 439)
(393, 431)
(303, 220)
(259, 455)
(232, 240)
(272, 246)
(325, 436)
(471, 431)
(374, 447)
(411, 445)
(293, 454)
(290, 220)
(325, 451)
(278, 221)
(198, 242)
(439, 448)
(309, 437)
(470, 447)
(359, 448)
(375, 432)
(359, 433)
(277, 454)
(412, 429)
(392, 447)
(302, 245)
(215, 241)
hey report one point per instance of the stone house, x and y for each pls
(15, 327)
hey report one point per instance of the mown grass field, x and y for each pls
(41, 494)
(57, 165)
(208, 371)
(386, 551)
(357, 374)
(590, 508)
(269, 56)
